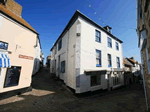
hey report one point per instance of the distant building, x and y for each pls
(87, 57)
(136, 70)
(48, 61)
(38, 58)
(132, 70)
(19, 47)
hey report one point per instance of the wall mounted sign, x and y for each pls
(25, 57)
(12, 76)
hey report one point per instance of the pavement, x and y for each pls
(49, 95)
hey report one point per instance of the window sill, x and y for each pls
(98, 65)
(2, 50)
(97, 42)
(95, 86)
(110, 47)
(109, 66)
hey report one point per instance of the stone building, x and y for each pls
(143, 31)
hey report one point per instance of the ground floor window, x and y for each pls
(95, 80)
(12, 76)
(116, 80)
(63, 67)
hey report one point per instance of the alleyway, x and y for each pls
(48, 96)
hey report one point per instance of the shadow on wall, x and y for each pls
(36, 66)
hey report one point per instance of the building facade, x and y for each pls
(87, 57)
(17, 48)
(143, 31)
(38, 58)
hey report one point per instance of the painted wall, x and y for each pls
(67, 53)
(21, 41)
(88, 55)
(81, 55)
(37, 58)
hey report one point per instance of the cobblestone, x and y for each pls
(50, 96)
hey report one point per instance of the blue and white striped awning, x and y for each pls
(4, 60)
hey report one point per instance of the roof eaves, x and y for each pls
(94, 23)
(74, 17)
(72, 20)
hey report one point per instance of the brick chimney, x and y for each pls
(12, 6)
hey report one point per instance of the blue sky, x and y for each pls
(49, 18)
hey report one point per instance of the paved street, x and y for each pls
(49, 96)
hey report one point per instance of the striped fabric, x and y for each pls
(4, 60)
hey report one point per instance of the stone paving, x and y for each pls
(49, 96)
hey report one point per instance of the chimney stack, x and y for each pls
(12, 6)
(108, 28)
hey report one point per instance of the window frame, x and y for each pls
(109, 44)
(117, 46)
(4, 43)
(118, 62)
(7, 77)
(63, 63)
(97, 37)
(109, 60)
(99, 59)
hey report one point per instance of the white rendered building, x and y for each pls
(87, 57)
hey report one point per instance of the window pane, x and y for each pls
(93, 80)
(98, 36)
(97, 61)
(98, 79)
(97, 39)
(63, 66)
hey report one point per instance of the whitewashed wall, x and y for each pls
(67, 53)
(37, 57)
(88, 55)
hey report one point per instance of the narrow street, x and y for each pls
(49, 96)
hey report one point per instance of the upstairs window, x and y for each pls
(56, 49)
(109, 60)
(118, 62)
(117, 46)
(109, 42)
(97, 36)
(3, 45)
(98, 58)
(59, 44)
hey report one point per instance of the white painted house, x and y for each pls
(37, 57)
(87, 57)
